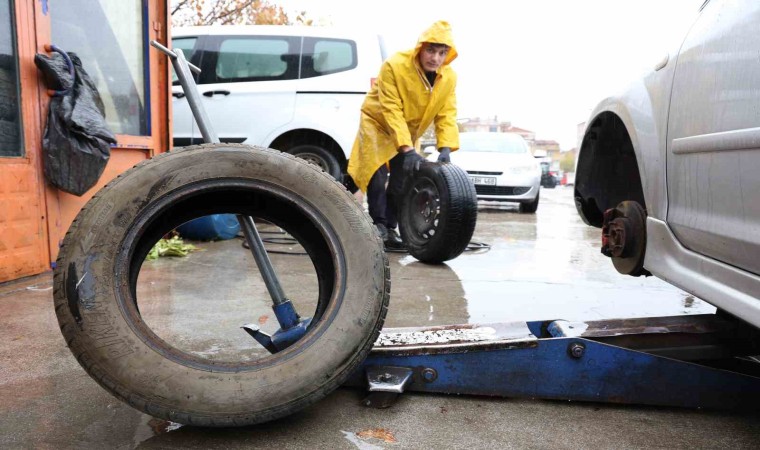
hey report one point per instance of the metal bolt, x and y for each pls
(618, 236)
(429, 375)
(576, 350)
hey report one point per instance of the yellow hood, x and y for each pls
(438, 33)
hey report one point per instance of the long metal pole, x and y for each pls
(182, 68)
(194, 99)
(262, 259)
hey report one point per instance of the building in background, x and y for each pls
(549, 148)
(529, 136)
(543, 148)
(490, 124)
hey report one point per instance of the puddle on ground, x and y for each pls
(539, 266)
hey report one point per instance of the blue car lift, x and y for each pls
(700, 361)
(706, 361)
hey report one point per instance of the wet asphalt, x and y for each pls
(530, 267)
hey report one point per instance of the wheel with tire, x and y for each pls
(530, 207)
(438, 212)
(99, 309)
(319, 157)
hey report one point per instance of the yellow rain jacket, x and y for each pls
(402, 105)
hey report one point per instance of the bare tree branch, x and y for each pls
(237, 10)
(226, 12)
(179, 6)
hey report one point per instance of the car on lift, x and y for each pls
(293, 88)
(500, 166)
(668, 167)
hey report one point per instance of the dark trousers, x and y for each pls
(381, 208)
(382, 201)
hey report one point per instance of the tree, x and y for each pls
(232, 12)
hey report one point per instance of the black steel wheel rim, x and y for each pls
(423, 204)
(313, 158)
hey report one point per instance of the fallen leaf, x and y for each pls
(263, 319)
(377, 433)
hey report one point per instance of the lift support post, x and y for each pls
(700, 361)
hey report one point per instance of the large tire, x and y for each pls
(438, 212)
(320, 158)
(530, 207)
(96, 273)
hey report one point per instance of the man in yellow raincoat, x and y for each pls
(414, 89)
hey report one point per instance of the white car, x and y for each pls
(501, 167)
(292, 88)
(668, 167)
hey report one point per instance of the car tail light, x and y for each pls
(372, 82)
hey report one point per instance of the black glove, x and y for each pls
(411, 163)
(444, 155)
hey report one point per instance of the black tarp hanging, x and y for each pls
(76, 143)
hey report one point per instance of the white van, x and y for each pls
(293, 88)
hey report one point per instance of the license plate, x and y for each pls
(489, 181)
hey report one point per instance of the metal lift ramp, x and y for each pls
(701, 361)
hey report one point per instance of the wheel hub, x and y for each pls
(618, 240)
(313, 159)
(426, 207)
(624, 237)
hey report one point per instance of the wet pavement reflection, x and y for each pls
(540, 266)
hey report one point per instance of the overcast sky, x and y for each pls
(540, 64)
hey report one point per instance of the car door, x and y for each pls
(185, 130)
(333, 86)
(248, 85)
(714, 136)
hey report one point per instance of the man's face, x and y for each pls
(432, 56)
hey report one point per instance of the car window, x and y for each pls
(109, 39)
(11, 142)
(323, 56)
(492, 142)
(186, 45)
(256, 59)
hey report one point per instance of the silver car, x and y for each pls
(668, 168)
(500, 166)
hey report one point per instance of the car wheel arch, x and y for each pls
(301, 136)
(608, 169)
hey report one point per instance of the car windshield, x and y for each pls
(492, 142)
